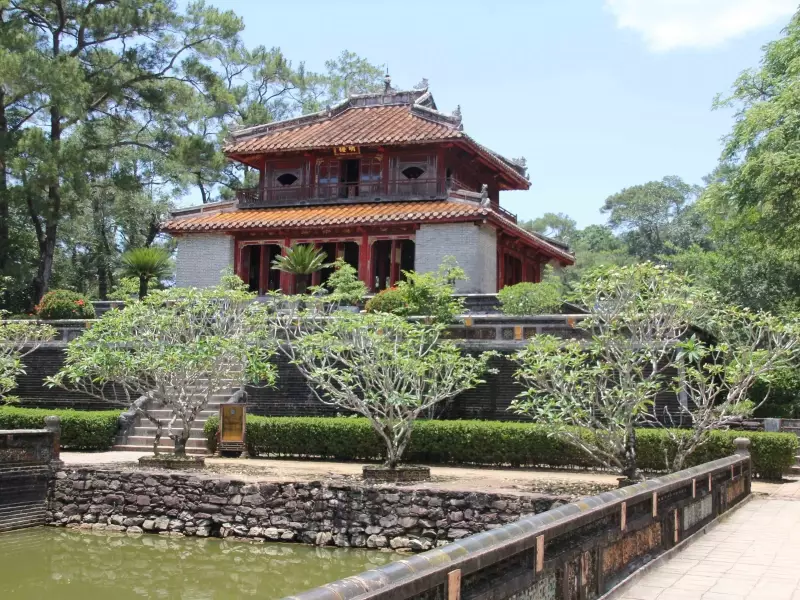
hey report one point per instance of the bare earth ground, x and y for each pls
(488, 480)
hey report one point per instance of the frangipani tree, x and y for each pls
(18, 339)
(380, 366)
(175, 349)
(716, 375)
(594, 391)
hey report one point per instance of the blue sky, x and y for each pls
(598, 95)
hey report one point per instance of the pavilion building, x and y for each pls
(385, 181)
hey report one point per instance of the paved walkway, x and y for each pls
(750, 555)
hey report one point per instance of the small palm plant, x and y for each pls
(146, 264)
(303, 260)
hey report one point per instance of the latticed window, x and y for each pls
(370, 170)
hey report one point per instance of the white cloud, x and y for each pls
(670, 24)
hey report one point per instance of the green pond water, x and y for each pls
(48, 563)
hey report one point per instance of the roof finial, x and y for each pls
(387, 81)
(457, 116)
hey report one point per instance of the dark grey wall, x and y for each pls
(292, 397)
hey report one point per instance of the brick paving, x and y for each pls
(750, 555)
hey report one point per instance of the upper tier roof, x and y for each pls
(391, 118)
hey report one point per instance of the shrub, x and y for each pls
(64, 304)
(126, 289)
(545, 297)
(344, 284)
(485, 443)
(423, 294)
(390, 300)
(80, 430)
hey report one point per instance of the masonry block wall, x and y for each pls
(474, 246)
(201, 259)
(292, 397)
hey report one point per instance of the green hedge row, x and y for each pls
(484, 443)
(80, 429)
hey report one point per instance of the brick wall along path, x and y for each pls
(751, 555)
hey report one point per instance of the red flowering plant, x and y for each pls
(64, 304)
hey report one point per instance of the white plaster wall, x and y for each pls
(201, 259)
(475, 249)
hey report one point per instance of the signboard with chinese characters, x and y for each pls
(346, 150)
(232, 427)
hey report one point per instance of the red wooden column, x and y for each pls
(244, 263)
(286, 278)
(440, 170)
(394, 262)
(263, 273)
(364, 255)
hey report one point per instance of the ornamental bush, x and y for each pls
(64, 304)
(80, 429)
(545, 297)
(490, 443)
(390, 300)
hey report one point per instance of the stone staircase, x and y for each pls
(141, 437)
(22, 514)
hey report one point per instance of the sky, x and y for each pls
(597, 95)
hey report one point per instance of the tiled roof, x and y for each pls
(374, 213)
(371, 125)
(342, 215)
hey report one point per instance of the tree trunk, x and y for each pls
(47, 242)
(4, 203)
(630, 472)
(142, 287)
(180, 445)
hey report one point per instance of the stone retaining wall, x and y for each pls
(578, 551)
(325, 514)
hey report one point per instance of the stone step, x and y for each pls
(21, 523)
(147, 440)
(21, 509)
(149, 448)
(150, 430)
(165, 413)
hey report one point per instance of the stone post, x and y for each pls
(742, 449)
(742, 446)
(53, 425)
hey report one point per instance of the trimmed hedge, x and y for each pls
(484, 443)
(80, 429)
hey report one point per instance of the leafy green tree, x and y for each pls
(557, 226)
(762, 152)
(387, 369)
(594, 392)
(175, 349)
(146, 264)
(653, 216)
(81, 82)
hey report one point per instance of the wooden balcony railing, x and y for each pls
(286, 195)
(323, 193)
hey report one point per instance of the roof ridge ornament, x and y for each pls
(457, 117)
(387, 82)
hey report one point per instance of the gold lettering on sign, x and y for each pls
(346, 150)
(454, 585)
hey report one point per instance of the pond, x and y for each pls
(49, 562)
